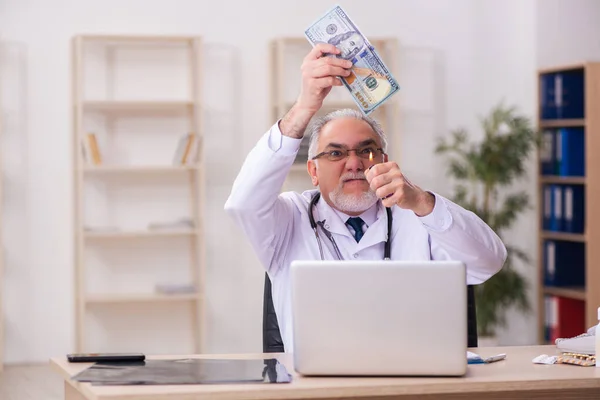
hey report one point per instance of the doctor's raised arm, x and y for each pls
(254, 202)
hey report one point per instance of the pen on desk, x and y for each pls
(495, 358)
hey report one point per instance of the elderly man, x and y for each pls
(359, 191)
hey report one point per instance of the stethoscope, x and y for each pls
(314, 225)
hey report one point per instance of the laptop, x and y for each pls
(379, 318)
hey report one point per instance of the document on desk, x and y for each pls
(186, 371)
(371, 82)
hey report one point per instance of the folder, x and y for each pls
(547, 207)
(569, 94)
(548, 152)
(564, 263)
(574, 208)
(570, 152)
(565, 317)
(556, 217)
(558, 153)
(562, 95)
(548, 96)
(547, 318)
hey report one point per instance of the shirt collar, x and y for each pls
(335, 221)
(369, 216)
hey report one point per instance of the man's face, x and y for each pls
(342, 182)
(351, 46)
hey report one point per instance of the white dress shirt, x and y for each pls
(369, 216)
(278, 228)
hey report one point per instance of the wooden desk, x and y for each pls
(515, 378)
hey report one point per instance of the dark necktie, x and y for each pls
(356, 223)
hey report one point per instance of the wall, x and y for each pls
(506, 64)
(567, 32)
(457, 59)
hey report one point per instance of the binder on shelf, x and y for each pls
(563, 317)
(564, 263)
(548, 96)
(563, 208)
(562, 95)
(548, 152)
(547, 320)
(574, 208)
(570, 94)
(570, 152)
(556, 218)
(548, 207)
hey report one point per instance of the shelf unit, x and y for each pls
(286, 54)
(105, 111)
(590, 182)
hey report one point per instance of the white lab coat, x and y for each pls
(278, 227)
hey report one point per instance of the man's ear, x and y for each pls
(312, 171)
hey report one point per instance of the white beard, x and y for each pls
(352, 202)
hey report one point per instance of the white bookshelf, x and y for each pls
(138, 95)
(286, 54)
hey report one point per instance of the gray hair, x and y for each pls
(314, 129)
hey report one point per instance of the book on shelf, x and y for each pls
(186, 153)
(90, 149)
(101, 229)
(167, 288)
(188, 150)
(177, 224)
(182, 223)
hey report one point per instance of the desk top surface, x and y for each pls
(517, 372)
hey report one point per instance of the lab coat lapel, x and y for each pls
(333, 223)
(377, 232)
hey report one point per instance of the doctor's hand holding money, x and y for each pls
(341, 56)
(319, 74)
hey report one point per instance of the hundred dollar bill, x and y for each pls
(371, 82)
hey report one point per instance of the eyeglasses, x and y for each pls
(367, 153)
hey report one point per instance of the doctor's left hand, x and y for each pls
(393, 188)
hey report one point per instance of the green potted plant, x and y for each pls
(484, 172)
